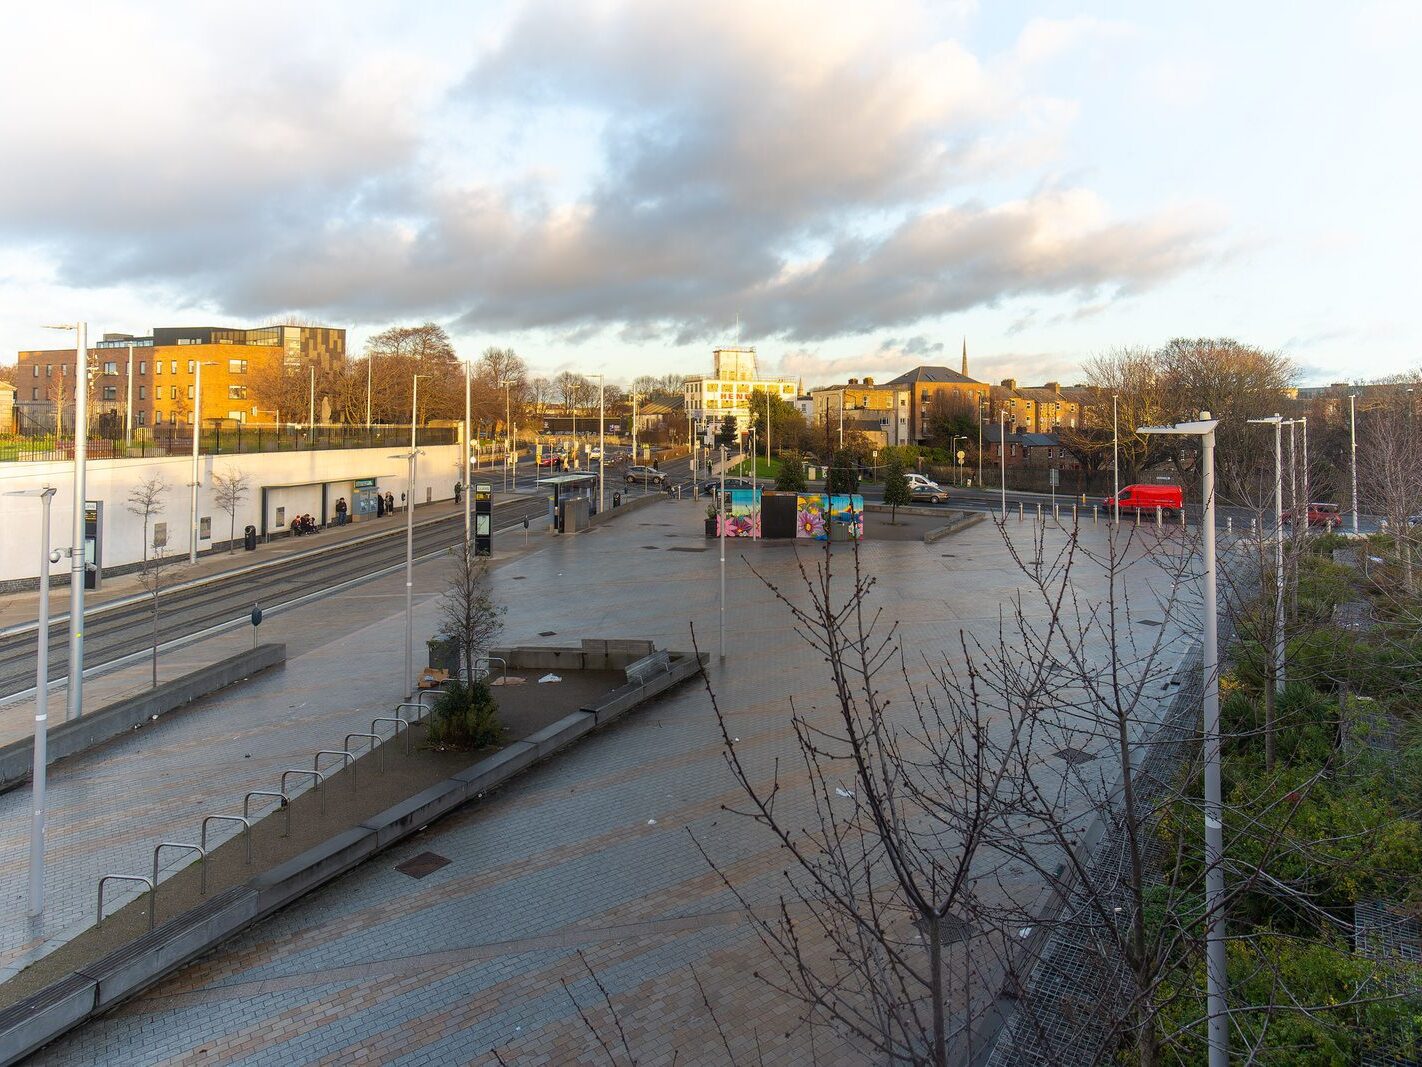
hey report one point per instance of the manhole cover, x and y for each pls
(1149, 622)
(1073, 756)
(423, 864)
(685, 548)
(547, 633)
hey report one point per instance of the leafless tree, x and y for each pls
(1390, 476)
(146, 500)
(468, 614)
(153, 579)
(230, 488)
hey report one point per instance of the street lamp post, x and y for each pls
(507, 384)
(1115, 459)
(1216, 978)
(75, 698)
(602, 441)
(41, 757)
(981, 419)
(1002, 456)
(128, 403)
(1353, 452)
(197, 461)
(411, 457)
(721, 522)
(369, 363)
(1278, 421)
(464, 474)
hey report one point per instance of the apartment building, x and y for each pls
(727, 390)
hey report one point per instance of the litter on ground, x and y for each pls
(549, 678)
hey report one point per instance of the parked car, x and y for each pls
(1325, 515)
(712, 486)
(1137, 498)
(914, 478)
(645, 475)
(930, 493)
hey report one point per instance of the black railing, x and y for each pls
(221, 440)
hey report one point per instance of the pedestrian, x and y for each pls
(389, 503)
(654, 466)
(379, 506)
(458, 491)
(341, 511)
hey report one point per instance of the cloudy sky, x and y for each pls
(616, 185)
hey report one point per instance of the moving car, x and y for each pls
(1325, 515)
(546, 460)
(929, 492)
(645, 475)
(712, 486)
(1138, 498)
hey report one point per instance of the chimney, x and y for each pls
(868, 381)
(1009, 383)
(1053, 387)
(854, 381)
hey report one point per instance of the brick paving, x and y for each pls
(585, 858)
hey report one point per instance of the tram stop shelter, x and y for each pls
(572, 500)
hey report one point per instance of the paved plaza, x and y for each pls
(583, 862)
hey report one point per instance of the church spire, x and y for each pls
(965, 357)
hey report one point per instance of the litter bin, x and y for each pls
(249, 538)
(617, 500)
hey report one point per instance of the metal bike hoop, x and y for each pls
(285, 803)
(246, 830)
(202, 859)
(124, 878)
(320, 781)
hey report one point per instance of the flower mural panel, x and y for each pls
(811, 515)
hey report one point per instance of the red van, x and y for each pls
(1148, 497)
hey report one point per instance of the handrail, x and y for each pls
(320, 781)
(246, 830)
(124, 878)
(400, 724)
(285, 803)
(202, 859)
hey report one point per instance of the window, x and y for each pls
(157, 366)
(34, 393)
(158, 418)
(190, 392)
(238, 392)
(172, 392)
(36, 368)
(236, 366)
(160, 535)
(192, 366)
(49, 370)
(142, 418)
(63, 369)
(143, 392)
(110, 392)
(174, 366)
(190, 418)
(143, 366)
(205, 528)
(110, 367)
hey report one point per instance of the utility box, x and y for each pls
(573, 515)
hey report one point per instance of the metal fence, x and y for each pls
(230, 440)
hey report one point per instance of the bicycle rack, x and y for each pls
(423, 708)
(246, 831)
(202, 859)
(320, 781)
(374, 741)
(125, 878)
(285, 803)
(400, 724)
(488, 661)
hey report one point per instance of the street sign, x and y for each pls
(483, 519)
(1054, 477)
(256, 615)
(962, 455)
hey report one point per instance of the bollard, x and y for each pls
(1229, 524)
(1056, 514)
(1138, 517)
(1039, 511)
(1157, 516)
(1020, 511)
(1095, 513)
(1073, 514)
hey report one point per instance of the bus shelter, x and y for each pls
(572, 500)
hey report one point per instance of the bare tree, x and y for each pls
(468, 615)
(1390, 476)
(146, 500)
(230, 488)
(153, 579)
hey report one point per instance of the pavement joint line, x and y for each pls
(20, 629)
(223, 627)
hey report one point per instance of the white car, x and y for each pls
(918, 481)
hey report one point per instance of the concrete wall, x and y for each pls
(112, 480)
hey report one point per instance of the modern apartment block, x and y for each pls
(155, 377)
(728, 389)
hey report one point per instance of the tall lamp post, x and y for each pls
(410, 457)
(128, 403)
(507, 385)
(1278, 422)
(311, 411)
(1353, 453)
(721, 536)
(75, 699)
(981, 420)
(464, 474)
(197, 461)
(41, 758)
(1216, 978)
(1002, 456)
(1115, 459)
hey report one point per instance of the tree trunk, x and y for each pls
(155, 630)
(1269, 678)
(935, 983)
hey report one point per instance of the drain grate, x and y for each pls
(1149, 622)
(547, 633)
(951, 929)
(1074, 756)
(423, 864)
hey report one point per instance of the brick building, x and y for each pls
(1035, 408)
(163, 367)
(880, 412)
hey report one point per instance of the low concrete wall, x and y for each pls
(36, 1021)
(79, 735)
(592, 655)
(964, 520)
